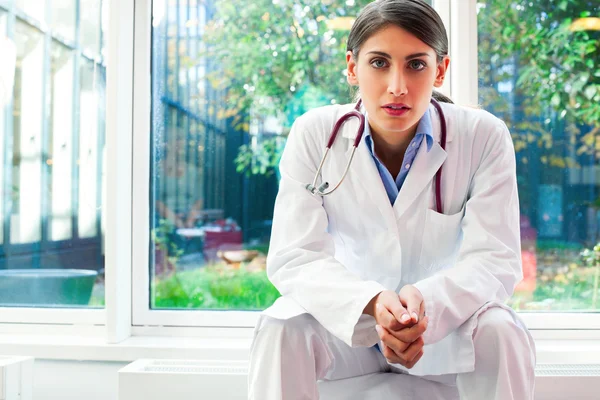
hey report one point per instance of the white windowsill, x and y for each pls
(59, 347)
(95, 348)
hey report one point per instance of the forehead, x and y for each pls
(396, 42)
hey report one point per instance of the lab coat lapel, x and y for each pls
(365, 176)
(422, 173)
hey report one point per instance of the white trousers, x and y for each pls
(290, 356)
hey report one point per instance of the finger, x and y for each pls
(390, 341)
(409, 335)
(400, 313)
(411, 298)
(422, 311)
(386, 317)
(389, 354)
(413, 350)
(412, 363)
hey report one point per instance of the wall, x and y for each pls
(75, 380)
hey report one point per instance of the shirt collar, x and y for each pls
(424, 128)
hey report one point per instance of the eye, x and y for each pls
(417, 65)
(379, 63)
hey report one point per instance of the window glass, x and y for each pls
(228, 80)
(53, 178)
(59, 159)
(91, 144)
(26, 188)
(91, 17)
(33, 8)
(3, 109)
(63, 18)
(538, 64)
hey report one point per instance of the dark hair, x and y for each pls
(414, 16)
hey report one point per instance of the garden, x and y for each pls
(566, 280)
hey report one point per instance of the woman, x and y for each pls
(376, 262)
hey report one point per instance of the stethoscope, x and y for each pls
(361, 118)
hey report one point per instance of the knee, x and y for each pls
(499, 333)
(286, 331)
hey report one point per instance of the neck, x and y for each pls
(392, 146)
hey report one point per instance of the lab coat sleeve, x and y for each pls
(301, 261)
(488, 266)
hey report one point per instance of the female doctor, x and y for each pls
(402, 268)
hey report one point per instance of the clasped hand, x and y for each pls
(401, 322)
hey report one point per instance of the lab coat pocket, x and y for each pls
(441, 240)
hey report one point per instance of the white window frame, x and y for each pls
(127, 311)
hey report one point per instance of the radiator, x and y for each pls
(567, 381)
(16, 378)
(183, 380)
(226, 380)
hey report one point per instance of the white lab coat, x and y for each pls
(330, 256)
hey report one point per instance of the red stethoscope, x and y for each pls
(356, 113)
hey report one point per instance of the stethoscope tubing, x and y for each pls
(320, 191)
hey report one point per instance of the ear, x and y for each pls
(351, 62)
(442, 68)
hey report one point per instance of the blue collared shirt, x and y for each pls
(424, 130)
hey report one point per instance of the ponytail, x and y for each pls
(442, 98)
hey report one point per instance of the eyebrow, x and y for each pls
(408, 57)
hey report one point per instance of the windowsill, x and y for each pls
(63, 347)
(81, 348)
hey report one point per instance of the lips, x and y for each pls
(396, 106)
(396, 109)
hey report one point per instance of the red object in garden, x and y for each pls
(528, 256)
(220, 235)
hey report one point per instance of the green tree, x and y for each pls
(278, 58)
(553, 58)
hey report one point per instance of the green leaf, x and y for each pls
(590, 91)
(589, 62)
(563, 5)
(555, 101)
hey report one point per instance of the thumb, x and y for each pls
(412, 299)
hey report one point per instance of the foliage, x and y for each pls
(591, 257)
(570, 288)
(215, 287)
(547, 244)
(270, 49)
(552, 63)
(162, 236)
(262, 160)
(277, 58)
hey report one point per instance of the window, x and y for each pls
(2, 131)
(92, 14)
(51, 161)
(60, 151)
(33, 8)
(26, 188)
(537, 71)
(226, 87)
(63, 18)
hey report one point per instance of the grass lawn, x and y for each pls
(216, 286)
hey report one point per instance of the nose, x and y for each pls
(397, 84)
